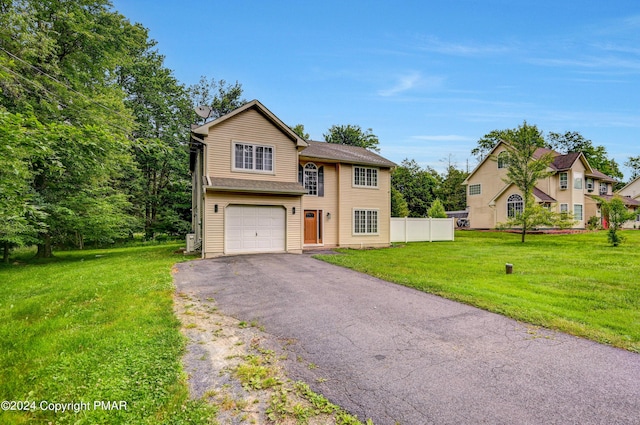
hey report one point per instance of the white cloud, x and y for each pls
(410, 81)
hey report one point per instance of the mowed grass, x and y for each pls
(574, 283)
(94, 326)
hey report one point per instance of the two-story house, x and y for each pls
(259, 187)
(573, 186)
(631, 193)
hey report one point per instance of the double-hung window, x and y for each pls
(365, 177)
(604, 188)
(252, 157)
(564, 180)
(365, 222)
(577, 211)
(577, 181)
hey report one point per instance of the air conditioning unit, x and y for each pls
(563, 186)
(191, 242)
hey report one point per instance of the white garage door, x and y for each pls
(250, 228)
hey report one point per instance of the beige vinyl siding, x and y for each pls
(250, 127)
(489, 176)
(327, 203)
(214, 229)
(353, 198)
(632, 190)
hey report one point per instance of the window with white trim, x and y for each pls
(564, 208)
(475, 189)
(604, 188)
(365, 177)
(250, 157)
(515, 205)
(311, 178)
(365, 222)
(577, 182)
(564, 180)
(577, 211)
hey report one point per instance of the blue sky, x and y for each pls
(428, 77)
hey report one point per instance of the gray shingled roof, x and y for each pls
(344, 153)
(628, 201)
(542, 196)
(601, 176)
(259, 186)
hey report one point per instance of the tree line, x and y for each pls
(94, 127)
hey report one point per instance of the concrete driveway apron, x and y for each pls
(396, 355)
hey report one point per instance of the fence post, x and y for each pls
(406, 233)
(430, 230)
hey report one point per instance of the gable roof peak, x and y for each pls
(263, 110)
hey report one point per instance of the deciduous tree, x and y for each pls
(572, 141)
(616, 214)
(417, 186)
(220, 96)
(525, 170)
(352, 135)
(633, 162)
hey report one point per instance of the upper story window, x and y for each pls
(365, 177)
(577, 181)
(564, 180)
(251, 157)
(590, 184)
(503, 160)
(604, 188)
(475, 189)
(515, 205)
(311, 179)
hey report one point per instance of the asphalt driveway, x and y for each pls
(396, 355)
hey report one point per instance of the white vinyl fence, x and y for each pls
(422, 229)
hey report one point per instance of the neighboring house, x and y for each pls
(259, 187)
(631, 192)
(574, 186)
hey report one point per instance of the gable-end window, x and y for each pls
(503, 160)
(577, 211)
(365, 222)
(475, 189)
(564, 180)
(250, 157)
(365, 177)
(515, 205)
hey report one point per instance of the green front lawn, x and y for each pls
(574, 283)
(94, 326)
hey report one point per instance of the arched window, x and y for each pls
(503, 160)
(311, 178)
(515, 205)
